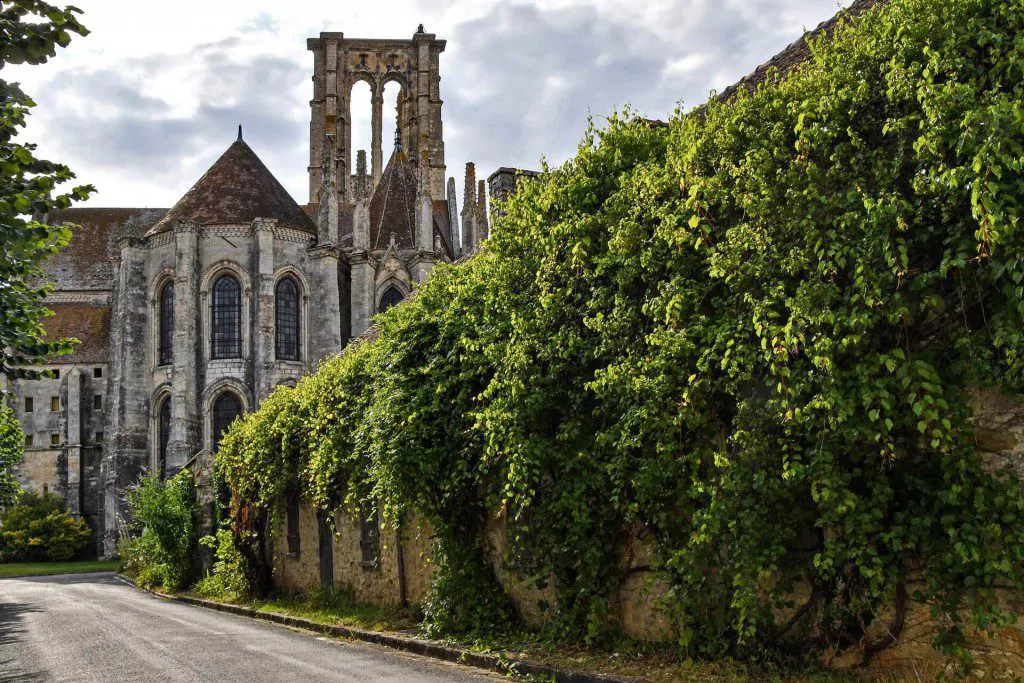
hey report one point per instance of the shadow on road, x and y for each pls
(66, 579)
(12, 639)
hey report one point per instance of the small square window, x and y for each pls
(54, 439)
(97, 401)
(54, 404)
(28, 439)
(56, 374)
(97, 372)
(29, 404)
(99, 437)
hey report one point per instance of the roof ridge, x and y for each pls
(237, 188)
(797, 52)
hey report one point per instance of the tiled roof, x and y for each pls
(237, 189)
(393, 205)
(89, 324)
(797, 52)
(87, 262)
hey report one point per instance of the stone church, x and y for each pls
(190, 316)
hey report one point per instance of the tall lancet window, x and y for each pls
(389, 298)
(226, 408)
(227, 318)
(166, 323)
(287, 319)
(164, 437)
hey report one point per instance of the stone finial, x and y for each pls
(239, 132)
(398, 139)
(481, 204)
(470, 189)
(360, 172)
(453, 218)
(419, 29)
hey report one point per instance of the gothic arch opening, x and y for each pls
(226, 408)
(166, 321)
(391, 296)
(288, 319)
(361, 112)
(163, 435)
(391, 114)
(226, 318)
(375, 134)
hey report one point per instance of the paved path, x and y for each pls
(92, 627)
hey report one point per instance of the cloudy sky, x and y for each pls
(145, 103)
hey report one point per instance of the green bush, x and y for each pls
(39, 528)
(753, 335)
(160, 548)
(229, 579)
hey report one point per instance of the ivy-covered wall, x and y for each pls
(754, 337)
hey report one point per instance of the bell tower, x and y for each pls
(338, 64)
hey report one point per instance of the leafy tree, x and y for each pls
(30, 32)
(12, 441)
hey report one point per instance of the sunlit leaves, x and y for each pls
(750, 338)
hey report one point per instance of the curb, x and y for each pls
(419, 646)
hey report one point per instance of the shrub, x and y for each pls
(230, 578)
(40, 528)
(160, 548)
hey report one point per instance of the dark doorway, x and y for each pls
(390, 297)
(226, 409)
(165, 437)
(326, 551)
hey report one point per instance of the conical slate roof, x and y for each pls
(236, 189)
(393, 205)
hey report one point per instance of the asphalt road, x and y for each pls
(92, 627)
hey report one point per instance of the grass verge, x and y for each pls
(657, 664)
(12, 569)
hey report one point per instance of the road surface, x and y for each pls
(92, 627)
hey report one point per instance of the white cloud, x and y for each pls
(146, 102)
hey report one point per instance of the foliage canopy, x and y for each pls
(12, 443)
(756, 336)
(30, 33)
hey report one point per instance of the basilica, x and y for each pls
(190, 316)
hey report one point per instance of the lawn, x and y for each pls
(10, 569)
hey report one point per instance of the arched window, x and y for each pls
(226, 408)
(166, 322)
(287, 319)
(164, 436)
(389, 298)
(227, 318)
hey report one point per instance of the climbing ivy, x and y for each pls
(753, 336)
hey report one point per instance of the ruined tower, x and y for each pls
(338, 64)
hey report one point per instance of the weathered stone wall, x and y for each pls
(999, 428)
(372, 583)
(637, 610)
(299, 572)
(636, 605)
(64, 455)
